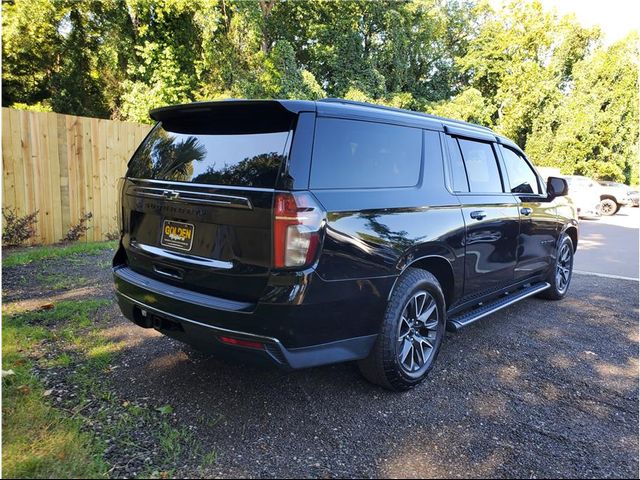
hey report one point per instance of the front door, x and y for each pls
(538, 220)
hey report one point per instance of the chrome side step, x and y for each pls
(462, 320)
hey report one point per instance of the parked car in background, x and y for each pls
(305, 233)
(585, 193)
(634, 197)
(614, 196)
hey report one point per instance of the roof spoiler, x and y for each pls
(228, 105)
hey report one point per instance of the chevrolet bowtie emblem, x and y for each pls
(170, 194)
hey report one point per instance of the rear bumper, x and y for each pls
(208, 338)
(341, 325)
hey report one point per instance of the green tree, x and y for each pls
(469, 106)
(543, 80)
(30, 50)
(594, 129)
(521, 60)
(76, 84)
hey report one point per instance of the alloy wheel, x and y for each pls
(417, 332)
(608, 207)
(563, 268)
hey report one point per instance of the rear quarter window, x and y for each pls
(359, 154)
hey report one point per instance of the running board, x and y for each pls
(460, 321)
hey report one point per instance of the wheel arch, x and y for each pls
(441, 268)
(572, 231)
(608, 196)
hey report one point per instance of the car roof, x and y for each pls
(384, 111)
(337, 107)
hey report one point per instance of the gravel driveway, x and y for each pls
(541, 389)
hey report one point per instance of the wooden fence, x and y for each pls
(64, 166)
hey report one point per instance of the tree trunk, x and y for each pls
(266, 7)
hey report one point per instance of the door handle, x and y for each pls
(526, 211)
(478, 214)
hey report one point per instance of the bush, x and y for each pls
(17, 229)
(78, 230)
(111, 236)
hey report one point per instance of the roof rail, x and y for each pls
(402, 110)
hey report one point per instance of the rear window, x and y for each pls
(358, 154)
(242, 159)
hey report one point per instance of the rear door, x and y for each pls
(538, 216)
(198, 197)
(490, 214)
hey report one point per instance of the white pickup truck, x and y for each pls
(585, 194)
(613, 197)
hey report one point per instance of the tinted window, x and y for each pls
(458, 172)
(482, 168)
(354, 154)
(521, 176)
(245, 159)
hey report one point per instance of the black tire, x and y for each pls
(608, 207)
(425, 333)
(560, 281)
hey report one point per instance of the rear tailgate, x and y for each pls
(198, 197)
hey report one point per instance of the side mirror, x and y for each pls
(557, 187)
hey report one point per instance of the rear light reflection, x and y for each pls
(242, 343)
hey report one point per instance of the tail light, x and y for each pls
(296, 229)
(119, 205)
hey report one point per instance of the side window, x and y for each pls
(358, 154)
(458, 172)
(482, 166)
(522, 178)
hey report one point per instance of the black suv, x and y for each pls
(304, 233)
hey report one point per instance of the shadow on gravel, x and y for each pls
(541, 389)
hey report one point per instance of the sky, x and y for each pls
(615, 17)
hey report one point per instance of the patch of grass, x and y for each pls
(100, 354)
(63, 360)
(103, 264)
(209, 459)
(14, 258)
(135, 410)
(170, 440)
(174, 442)
(42, 440)
(38, 440)
(70, 314)
(59, 281)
